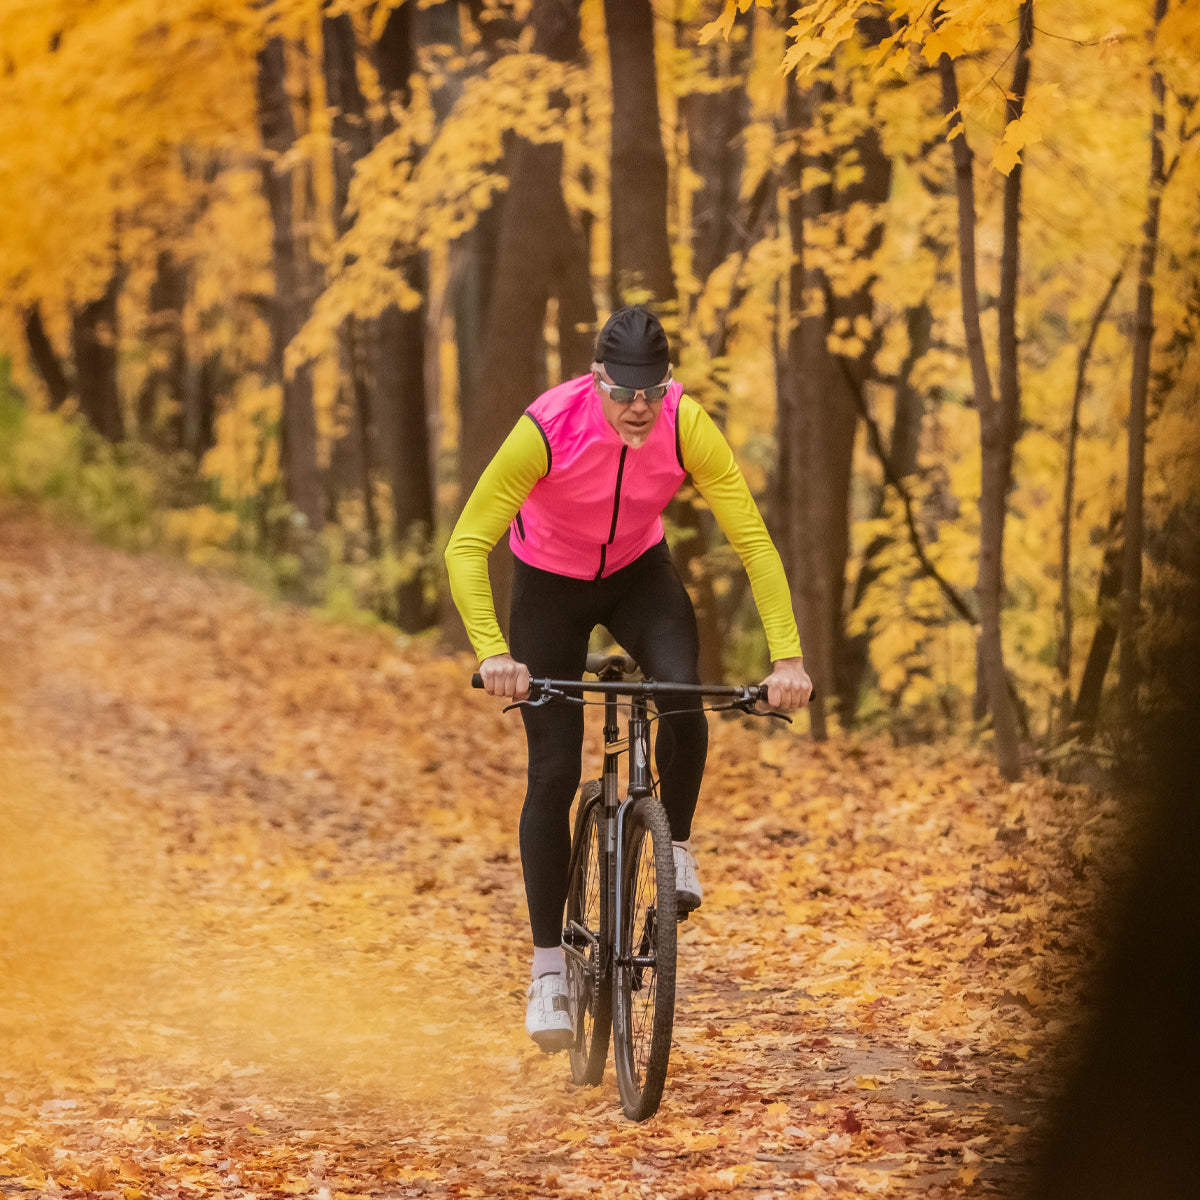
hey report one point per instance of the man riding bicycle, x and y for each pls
(580, 484)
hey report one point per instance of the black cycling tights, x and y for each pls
(648, 611)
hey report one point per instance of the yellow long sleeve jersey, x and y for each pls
(524, 460)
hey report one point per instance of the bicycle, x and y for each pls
(619, 935)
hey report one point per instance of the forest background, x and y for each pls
(277, 276)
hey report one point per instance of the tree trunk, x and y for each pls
(295, 277)
(1068, 622)
(716, 121)
(535, 250)
(46, 359)
(841, 409)
(207, 382)
(168, 379)
(806, 373)
(402, 422)
(95, 349)
(354, 462)
(641, 252)
(1091, 686)
(473, 271)
(1131, 589)
(992, 423)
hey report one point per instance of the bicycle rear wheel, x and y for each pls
(585, 937)
(644, 975)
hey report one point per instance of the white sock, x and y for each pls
(684, 845)
(548, 960)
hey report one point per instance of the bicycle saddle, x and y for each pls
(611, 667)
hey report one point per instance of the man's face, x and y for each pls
(633, 419)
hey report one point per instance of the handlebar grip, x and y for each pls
(477, 680)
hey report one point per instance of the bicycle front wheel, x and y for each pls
(585, 941)
(644, 976)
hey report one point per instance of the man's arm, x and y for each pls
(502, 488)
(709, 460)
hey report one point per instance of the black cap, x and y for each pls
(633, 347)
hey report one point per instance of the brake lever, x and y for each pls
(772, 713)
(750, 708)
(545, 697)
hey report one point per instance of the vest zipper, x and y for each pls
(612, 533)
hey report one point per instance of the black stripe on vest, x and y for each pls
(612, 533)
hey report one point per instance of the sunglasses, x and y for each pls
(626, 395)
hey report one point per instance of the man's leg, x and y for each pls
(550, 635)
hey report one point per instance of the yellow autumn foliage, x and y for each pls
(201, 532)
(128, 131)
(245, 459)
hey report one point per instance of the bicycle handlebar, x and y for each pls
(639, 687)
(744, 697)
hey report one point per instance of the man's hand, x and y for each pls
(503, 676)
(788, 685)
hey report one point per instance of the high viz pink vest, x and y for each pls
(600, 503)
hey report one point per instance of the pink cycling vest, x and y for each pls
(600, 504)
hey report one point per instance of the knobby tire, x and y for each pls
(644, 982)
(589, 988)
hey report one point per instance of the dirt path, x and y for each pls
(262, 928)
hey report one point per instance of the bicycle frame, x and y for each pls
(641, 781)
(615, 811)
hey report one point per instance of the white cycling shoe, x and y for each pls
(688, 892)
(548, 1017)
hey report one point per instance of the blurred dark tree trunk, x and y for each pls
(168, 378)
(474, 256)
(295, 279)
(45, 359)
(805, 371)
(206, 383)
(841, 420)
(94, 340)
(641, 251)
(1068, 507)
(716, 122)
(996, 426)
(1139, 386)
(474, 271)
(1086, 712)
(540, 254)
(354, 464)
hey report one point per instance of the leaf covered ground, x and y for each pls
(262, 928)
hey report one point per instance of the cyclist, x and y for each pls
(580, 484)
